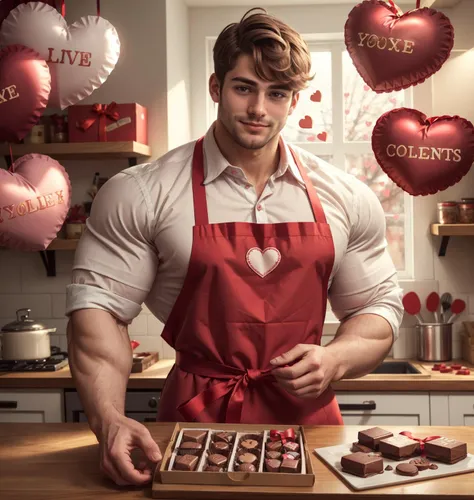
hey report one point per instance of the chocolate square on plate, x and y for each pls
(371, 437)
(449, 451)
(399, 447)
(362, 464)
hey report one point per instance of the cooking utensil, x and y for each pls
(412, 305)
(25, 339)
(432, 304)
(446, 300)
(434, 342)
(457, 307)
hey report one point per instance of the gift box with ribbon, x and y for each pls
(108, 122)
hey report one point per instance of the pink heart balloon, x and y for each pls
(25, 84)
(423, 155)
(35, 196)
(80, 56)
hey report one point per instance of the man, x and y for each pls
(233, 242)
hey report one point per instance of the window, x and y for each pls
(334, 120)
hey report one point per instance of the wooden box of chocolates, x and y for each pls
(236, 454)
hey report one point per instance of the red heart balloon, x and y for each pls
(35, 195)
(423, 155)
(392, 51)
(25, 84)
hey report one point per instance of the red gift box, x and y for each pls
(108, 123)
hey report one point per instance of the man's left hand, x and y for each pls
(312, 369)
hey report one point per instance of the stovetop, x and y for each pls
(55, 362)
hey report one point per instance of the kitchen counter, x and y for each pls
(154, 378)
(61, 462)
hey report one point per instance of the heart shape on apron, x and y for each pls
(80, 57)
(263, 263)
(35, 195)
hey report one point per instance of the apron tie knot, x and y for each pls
(255, 375)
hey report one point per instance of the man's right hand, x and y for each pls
(118, 437)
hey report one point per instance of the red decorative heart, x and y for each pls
(311, 138)
(423, 155)
(306, 122)
(392, 51)
(322, 136)
(316, 97)
(346, 95)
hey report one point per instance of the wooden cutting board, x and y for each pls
(143, 360)
(332, 455)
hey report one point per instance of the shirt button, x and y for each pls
(248, 186)
(259, 207)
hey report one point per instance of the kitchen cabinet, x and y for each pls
(461, 409)
(33, 406)
(387, 408)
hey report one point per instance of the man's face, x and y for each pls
(252, 110)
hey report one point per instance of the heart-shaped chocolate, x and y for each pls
(423, 155)
(25, 84)
(35, 196)
(393, 51)
(80, 57)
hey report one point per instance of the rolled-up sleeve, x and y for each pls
(366, 281)
(116, 260)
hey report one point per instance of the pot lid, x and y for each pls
(23, 323)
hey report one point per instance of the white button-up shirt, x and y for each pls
(137, 244)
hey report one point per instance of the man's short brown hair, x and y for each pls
(278, 51)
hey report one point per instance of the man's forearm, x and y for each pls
(100, 358)
(360, 344)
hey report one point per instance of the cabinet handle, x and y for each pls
(153, 403)
(369, 405)
(11, 405)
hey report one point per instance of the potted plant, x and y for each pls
(75, 222)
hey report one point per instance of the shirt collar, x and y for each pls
(216, 164)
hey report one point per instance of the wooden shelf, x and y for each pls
(448, 230)
(80, 150)
(63, 244)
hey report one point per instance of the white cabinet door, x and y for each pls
(31, 406)
(388, 408)
(461, 409)
(439, 408)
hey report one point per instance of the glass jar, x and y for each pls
(447, 212)
(466, 212)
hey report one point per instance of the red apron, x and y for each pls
(251, 293)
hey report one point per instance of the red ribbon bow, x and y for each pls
(283, 436)
(102, 111)
(421, 441)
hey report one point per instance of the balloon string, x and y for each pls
(63, 8)
(418, 4)
(98, 8)
(11, 153)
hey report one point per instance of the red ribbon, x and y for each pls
(421, 441)
(418, 2)
(102, 111)
(283, 436)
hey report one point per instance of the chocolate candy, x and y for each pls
(360, 447)
(194, 436)
(272, 465)
(291, 446)
(273, 446)
(225, 437)
(371, 437)
(449, 451)
(247, 458)
(421, 463)
(360, 464)
(389, 467)
(213, 468)
(293, 454)
(190, 448)
(276, 455)
(247, 468)
(249, 444)
(407, 469)
(185, 462)
(220, 447)
(398, 447)
(433, 466)
(217, 459)
(289, 465)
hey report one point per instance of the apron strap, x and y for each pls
(201, 216)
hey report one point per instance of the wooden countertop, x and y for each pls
(60, 462)
(154, 378)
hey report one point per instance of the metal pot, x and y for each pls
(25, 339)
(434, 341)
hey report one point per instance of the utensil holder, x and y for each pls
(434, 341)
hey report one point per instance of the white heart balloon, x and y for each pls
(80, 57)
